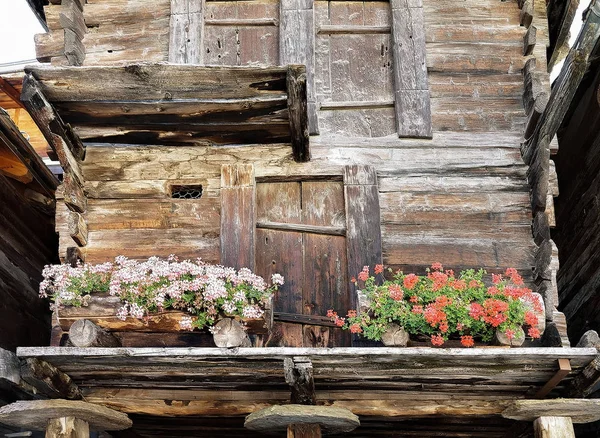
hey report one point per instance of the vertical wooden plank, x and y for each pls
(281, 252)
(186, 32)
(297, 46)
(297, 107)
(413, 111)
(325, 261)
(363, 232)
(238, 215)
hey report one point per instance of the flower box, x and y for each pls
(442, 307)
(158, 296)
(101, 309)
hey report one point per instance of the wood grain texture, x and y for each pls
(363, 222)
(297, 46)
(186, 32)
(413, 113)
(238, 216)
(550, 427)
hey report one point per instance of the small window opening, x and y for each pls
(186, 192)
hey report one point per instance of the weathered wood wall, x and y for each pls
(578, 209)
(460, 198)
(27, 240)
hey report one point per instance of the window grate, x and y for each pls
(186, 192)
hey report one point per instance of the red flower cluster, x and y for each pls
(396, 292)
(434, 316)
(437, 266)
(364, 274)
(335, 318)
(437, 340)
(514, 276)
(410, 281)
(355, 328)
(378, 269)
(439, 279)
(467, 341)
(495, 311)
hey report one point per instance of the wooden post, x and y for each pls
(297, 46)
(297, 107)
(304, 431)
(67, 427)
(413, 109)
(553, 427)
(238, 215)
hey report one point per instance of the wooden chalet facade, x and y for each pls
(308, 138)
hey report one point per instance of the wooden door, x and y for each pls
(301, 234)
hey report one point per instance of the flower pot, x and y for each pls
(395, 336)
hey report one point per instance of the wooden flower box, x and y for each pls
(161, 329)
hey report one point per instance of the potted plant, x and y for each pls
(441, 305)
(159, 294)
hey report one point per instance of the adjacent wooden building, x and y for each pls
(309, 138)
(27, 240)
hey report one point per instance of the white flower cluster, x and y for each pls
(157, 284)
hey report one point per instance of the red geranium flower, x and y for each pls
(437, 340)
(467, 341)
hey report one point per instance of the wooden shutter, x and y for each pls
(297, 46)
(363, 225)
(238, 215)
(413, 111)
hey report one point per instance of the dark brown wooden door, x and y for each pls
(300, 233)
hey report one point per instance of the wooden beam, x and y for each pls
(560, 46)
(51, 126)
(11, 92)
(297, 46)
(238, 215)
(186, 32)
(298, 111)
(49, 380)
(587, 382)
(564, 368)
(298, 373)
(411, 85)
(11, 136)
(78, 228)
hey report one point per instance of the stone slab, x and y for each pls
(277, 418)
(35, 414)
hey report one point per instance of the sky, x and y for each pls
(18, 25)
